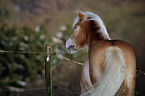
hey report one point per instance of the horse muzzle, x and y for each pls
(70, 46)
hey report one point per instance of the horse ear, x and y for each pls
(81, 15)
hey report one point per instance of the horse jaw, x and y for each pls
(70, 46)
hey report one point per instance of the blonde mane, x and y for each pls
(91, 16)
(114, 74)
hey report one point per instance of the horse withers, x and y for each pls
(110, 69)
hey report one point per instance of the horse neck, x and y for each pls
(94, 33)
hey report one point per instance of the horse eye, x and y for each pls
(75, 27)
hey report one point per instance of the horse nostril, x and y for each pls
(73, 46)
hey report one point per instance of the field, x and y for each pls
(46, 20)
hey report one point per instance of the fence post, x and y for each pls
(48, 71)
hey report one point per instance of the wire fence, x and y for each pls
(35, 89)
(54, 87)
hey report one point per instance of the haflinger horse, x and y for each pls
(110, 69)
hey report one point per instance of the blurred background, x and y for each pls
(28, 25)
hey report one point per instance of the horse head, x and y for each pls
(88, 28)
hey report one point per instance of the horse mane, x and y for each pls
(114, 74)
(93, 17)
